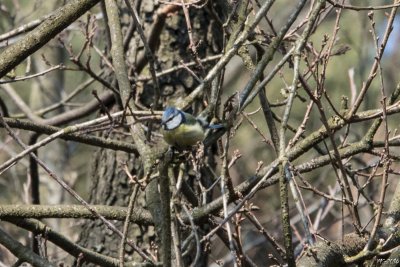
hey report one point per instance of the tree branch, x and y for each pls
(58, 21)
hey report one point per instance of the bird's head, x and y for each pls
(172, 118)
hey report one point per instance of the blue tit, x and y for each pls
(181, 129)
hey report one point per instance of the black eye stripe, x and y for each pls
(170, 118)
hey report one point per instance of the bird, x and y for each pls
(182, 130)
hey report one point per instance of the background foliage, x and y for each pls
(268, 189)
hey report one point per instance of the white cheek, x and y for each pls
(175, 122)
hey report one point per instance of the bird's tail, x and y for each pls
(216, 126)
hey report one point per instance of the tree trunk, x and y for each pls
(110, 185)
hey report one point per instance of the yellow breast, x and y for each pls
(185, 135)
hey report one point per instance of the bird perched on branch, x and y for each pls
(182, 130)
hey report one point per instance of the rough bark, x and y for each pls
(109, 185)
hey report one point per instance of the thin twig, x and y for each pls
(126, 224)
(358, 8)
(22, 29)
(372, 73)
(224, 186)
(385, 152)
(24, 78)
(67, 130)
